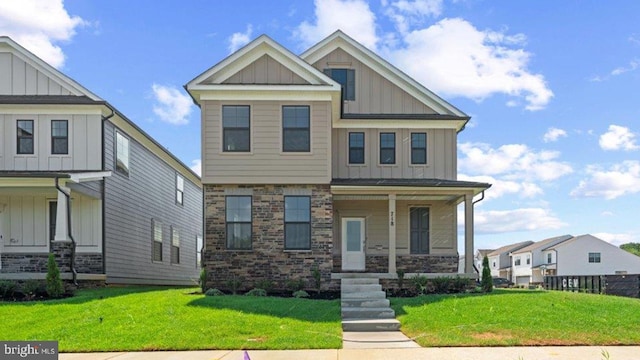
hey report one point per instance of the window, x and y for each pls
(419, 227)
(25, 137)
(59, 137)
(179, 189)
(238, 218)
(235, 128)
(549, 258)
(199, 249)
(356, 148)
(387, 148)
(494, 264)
(517, 261)
(418, 148)
(528, 259)
(594, 257)
(156, 228)
(122, 154)
(295, 129)
(297, 222)
(346, 78)
(175, 245)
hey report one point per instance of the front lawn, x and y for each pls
(154, 318)
(520, 317)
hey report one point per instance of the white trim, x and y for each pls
(50, 109)
(340, 40)
(398, 124)
(89, 176)
(265, 95)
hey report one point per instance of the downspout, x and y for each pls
(104, 185)
(74, 273)
(472, 204)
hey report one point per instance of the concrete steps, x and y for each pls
(365, 307)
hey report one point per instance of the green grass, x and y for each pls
(135, 318)
(520, 317)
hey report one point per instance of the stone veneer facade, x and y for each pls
(37, 262)
(267, 260)
(428, 263)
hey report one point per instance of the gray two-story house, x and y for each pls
(332, 160)
(82, 181)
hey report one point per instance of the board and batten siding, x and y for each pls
(266, 163)
(85, 142)
(374, 94)
(149, 192)
(442, 227)
(265, 70)
(441, 155)
(19, 78)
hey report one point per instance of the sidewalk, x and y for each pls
(458, 353)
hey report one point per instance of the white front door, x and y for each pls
(353, 244)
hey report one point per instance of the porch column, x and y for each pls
(468, 233)
(392, 233)
(62, 230)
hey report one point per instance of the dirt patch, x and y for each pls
(491, 336)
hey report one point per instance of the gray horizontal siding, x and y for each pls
(131, 204)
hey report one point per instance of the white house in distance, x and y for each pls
(500, 259)
(588, 255)
(526, 261)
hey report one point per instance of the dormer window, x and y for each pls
(346, 78)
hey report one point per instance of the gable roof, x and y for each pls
(30, 58)
(542, 244)
(251, 52)
(341, 40)
(509, 248)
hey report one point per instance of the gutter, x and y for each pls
(481, 198)
(73, 241)
(104, 185)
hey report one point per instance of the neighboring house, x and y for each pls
(334, 160)
(80, 180)
(500, 259)
(588, 255)
(526, 261)
(479, 256)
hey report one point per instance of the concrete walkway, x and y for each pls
(469, 353)
(376, 340)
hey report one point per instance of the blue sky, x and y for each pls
(552, 86)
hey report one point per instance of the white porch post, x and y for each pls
(62, 230)
(392, 233)
(468, 233)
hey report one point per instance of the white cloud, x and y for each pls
(500, 187)
(354, 17)
(621, 179)
(405, 13)
(38, 25)
(607, 213)
(172, 106)
(196, 166)
(454, 58)
(240, 39)
(617, 239)
(525, 219)
(618, 138)
(553, 134)
(633, 64)
(511, 161)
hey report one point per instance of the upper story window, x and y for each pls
(517, 261)
(346, 78)
(418, 148)
(297, 222)
(238, 220)
(236, 128)
(387, 148)
(549, 258)
(295, 129)
(25, 137)
(528, 259)
(594, 257)
(494, 265)
(59, 137)
(122, 154)
(179, 189)
(356, 148)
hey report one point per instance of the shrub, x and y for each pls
(400, 278)
(30, 288)
(256, 292)
(203, 280)
(300, 294)
(420, 282)
(265, 284)
(55, 288)
(234, 284)
(213, 292)
(441, 285)
(460, 284)
(486, 281)
(295, 284)
(317, 277)
(7, 289)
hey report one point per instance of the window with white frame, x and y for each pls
(549, 258)
(516, 261)
(594, 257)
(199, 249)
(122, 154)
(156, 229)
(179, 189)
(528, 259)
(175, 245)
